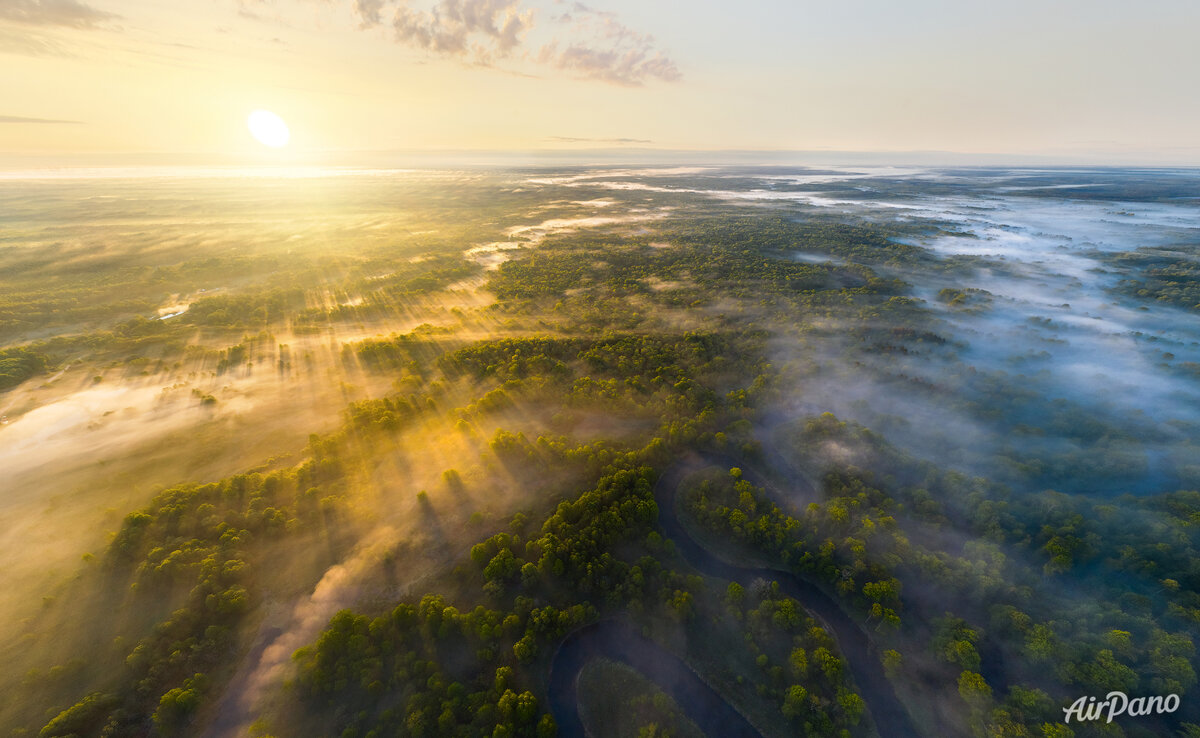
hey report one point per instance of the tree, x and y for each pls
(525, 649)
(735, 593)
(852, 705)
(885, 590)
(954, 641)
(799, 661)
(82, 718)
(177, 705)
(795, 701)
(892, 661)
(974, 690)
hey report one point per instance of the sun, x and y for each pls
(268, 128)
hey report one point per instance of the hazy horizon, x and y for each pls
(36, 164)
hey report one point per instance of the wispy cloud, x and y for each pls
(575, 139)
(22, 119)
(622, 66)
(71, 13)
(603, 48)
(590, 43)
(24, 41)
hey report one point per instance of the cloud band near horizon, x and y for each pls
(23, 119)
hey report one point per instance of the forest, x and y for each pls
(498, 454)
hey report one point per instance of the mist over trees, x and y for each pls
(780, 451)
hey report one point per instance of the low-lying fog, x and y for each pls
(1045, 321)
(1049, 323)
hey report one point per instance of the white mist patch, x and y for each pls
(1051, 294)
(1056, 290)
(492, 255)
(539, 231)
(750, 196)
(91, 423)
(341, 586)
(832, 174)
(603, 173)
(808, 258)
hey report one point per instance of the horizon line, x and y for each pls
(639, 155)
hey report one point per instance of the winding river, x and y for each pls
(617, 640)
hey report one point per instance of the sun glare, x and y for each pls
(268, 128)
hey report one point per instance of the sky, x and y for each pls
(1095, 80)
